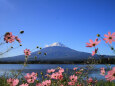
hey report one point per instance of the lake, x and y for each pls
(95, 73)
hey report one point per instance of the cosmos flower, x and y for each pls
(27, 52)
(61, 70)
(75, 68)
(111, 75)
(24, 84)
(71, 83)
(93, 44)
(90, 80)
(46, 83)
(8, 37)
(12, 82)
(17, 39)
(39, 84)
(73, 78)
(110, 37)
(94, 52)
(50, 70)
(102, 71)
(78, 72)
(56, 75)
(31, 77)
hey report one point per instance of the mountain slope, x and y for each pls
(55, 52)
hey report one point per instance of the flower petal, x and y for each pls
(91, 41)
(106, 35)
(110, 41)
(113, 33)
(109, 33)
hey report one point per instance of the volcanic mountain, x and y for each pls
(55, 52)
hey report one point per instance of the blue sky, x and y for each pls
(71, 22)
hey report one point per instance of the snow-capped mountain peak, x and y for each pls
(55, 44)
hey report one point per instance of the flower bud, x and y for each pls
(11, 47)
(45, 53)
(98, 35)
(35, 57)
(20, 44)
(41, 73)
(40, 48)
(112, 48)
(21, 32)
(37, 47)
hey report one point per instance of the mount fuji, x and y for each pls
(55, 52)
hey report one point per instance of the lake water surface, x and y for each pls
(95, 73)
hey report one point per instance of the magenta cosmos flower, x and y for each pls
(46, 83)
(8, 37)
(56, 75)
(102, 71)
(93, 44)
(71, 83)
(39, 84)
(17, 39)
(111, 75)
(24, 84)
(110, 37)
(90, 80)
(31, 77)
(61, 70)
(50, 70)
(78, 72)
(94, 52)
(27, 52)
(12, 82)
(75, 68)
(73, 78)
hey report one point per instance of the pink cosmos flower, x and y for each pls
(27, 52)
(61, 70)
(60, 77)
(93, 44)
(71, 83)
(12, 82)
(50, 70)
(46, 83)
(54, 76)
(75, 68)
(8, 37)
(33, 74)
(90, 80)
(39, 84)
(24, 84)
(17, 39)
(57, 75)
(94, 52)
(102, 71)
(78, 72)
(110, 37)
(111, 75)
(31, 77)
(73, 78)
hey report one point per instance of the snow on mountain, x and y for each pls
(56, 44)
